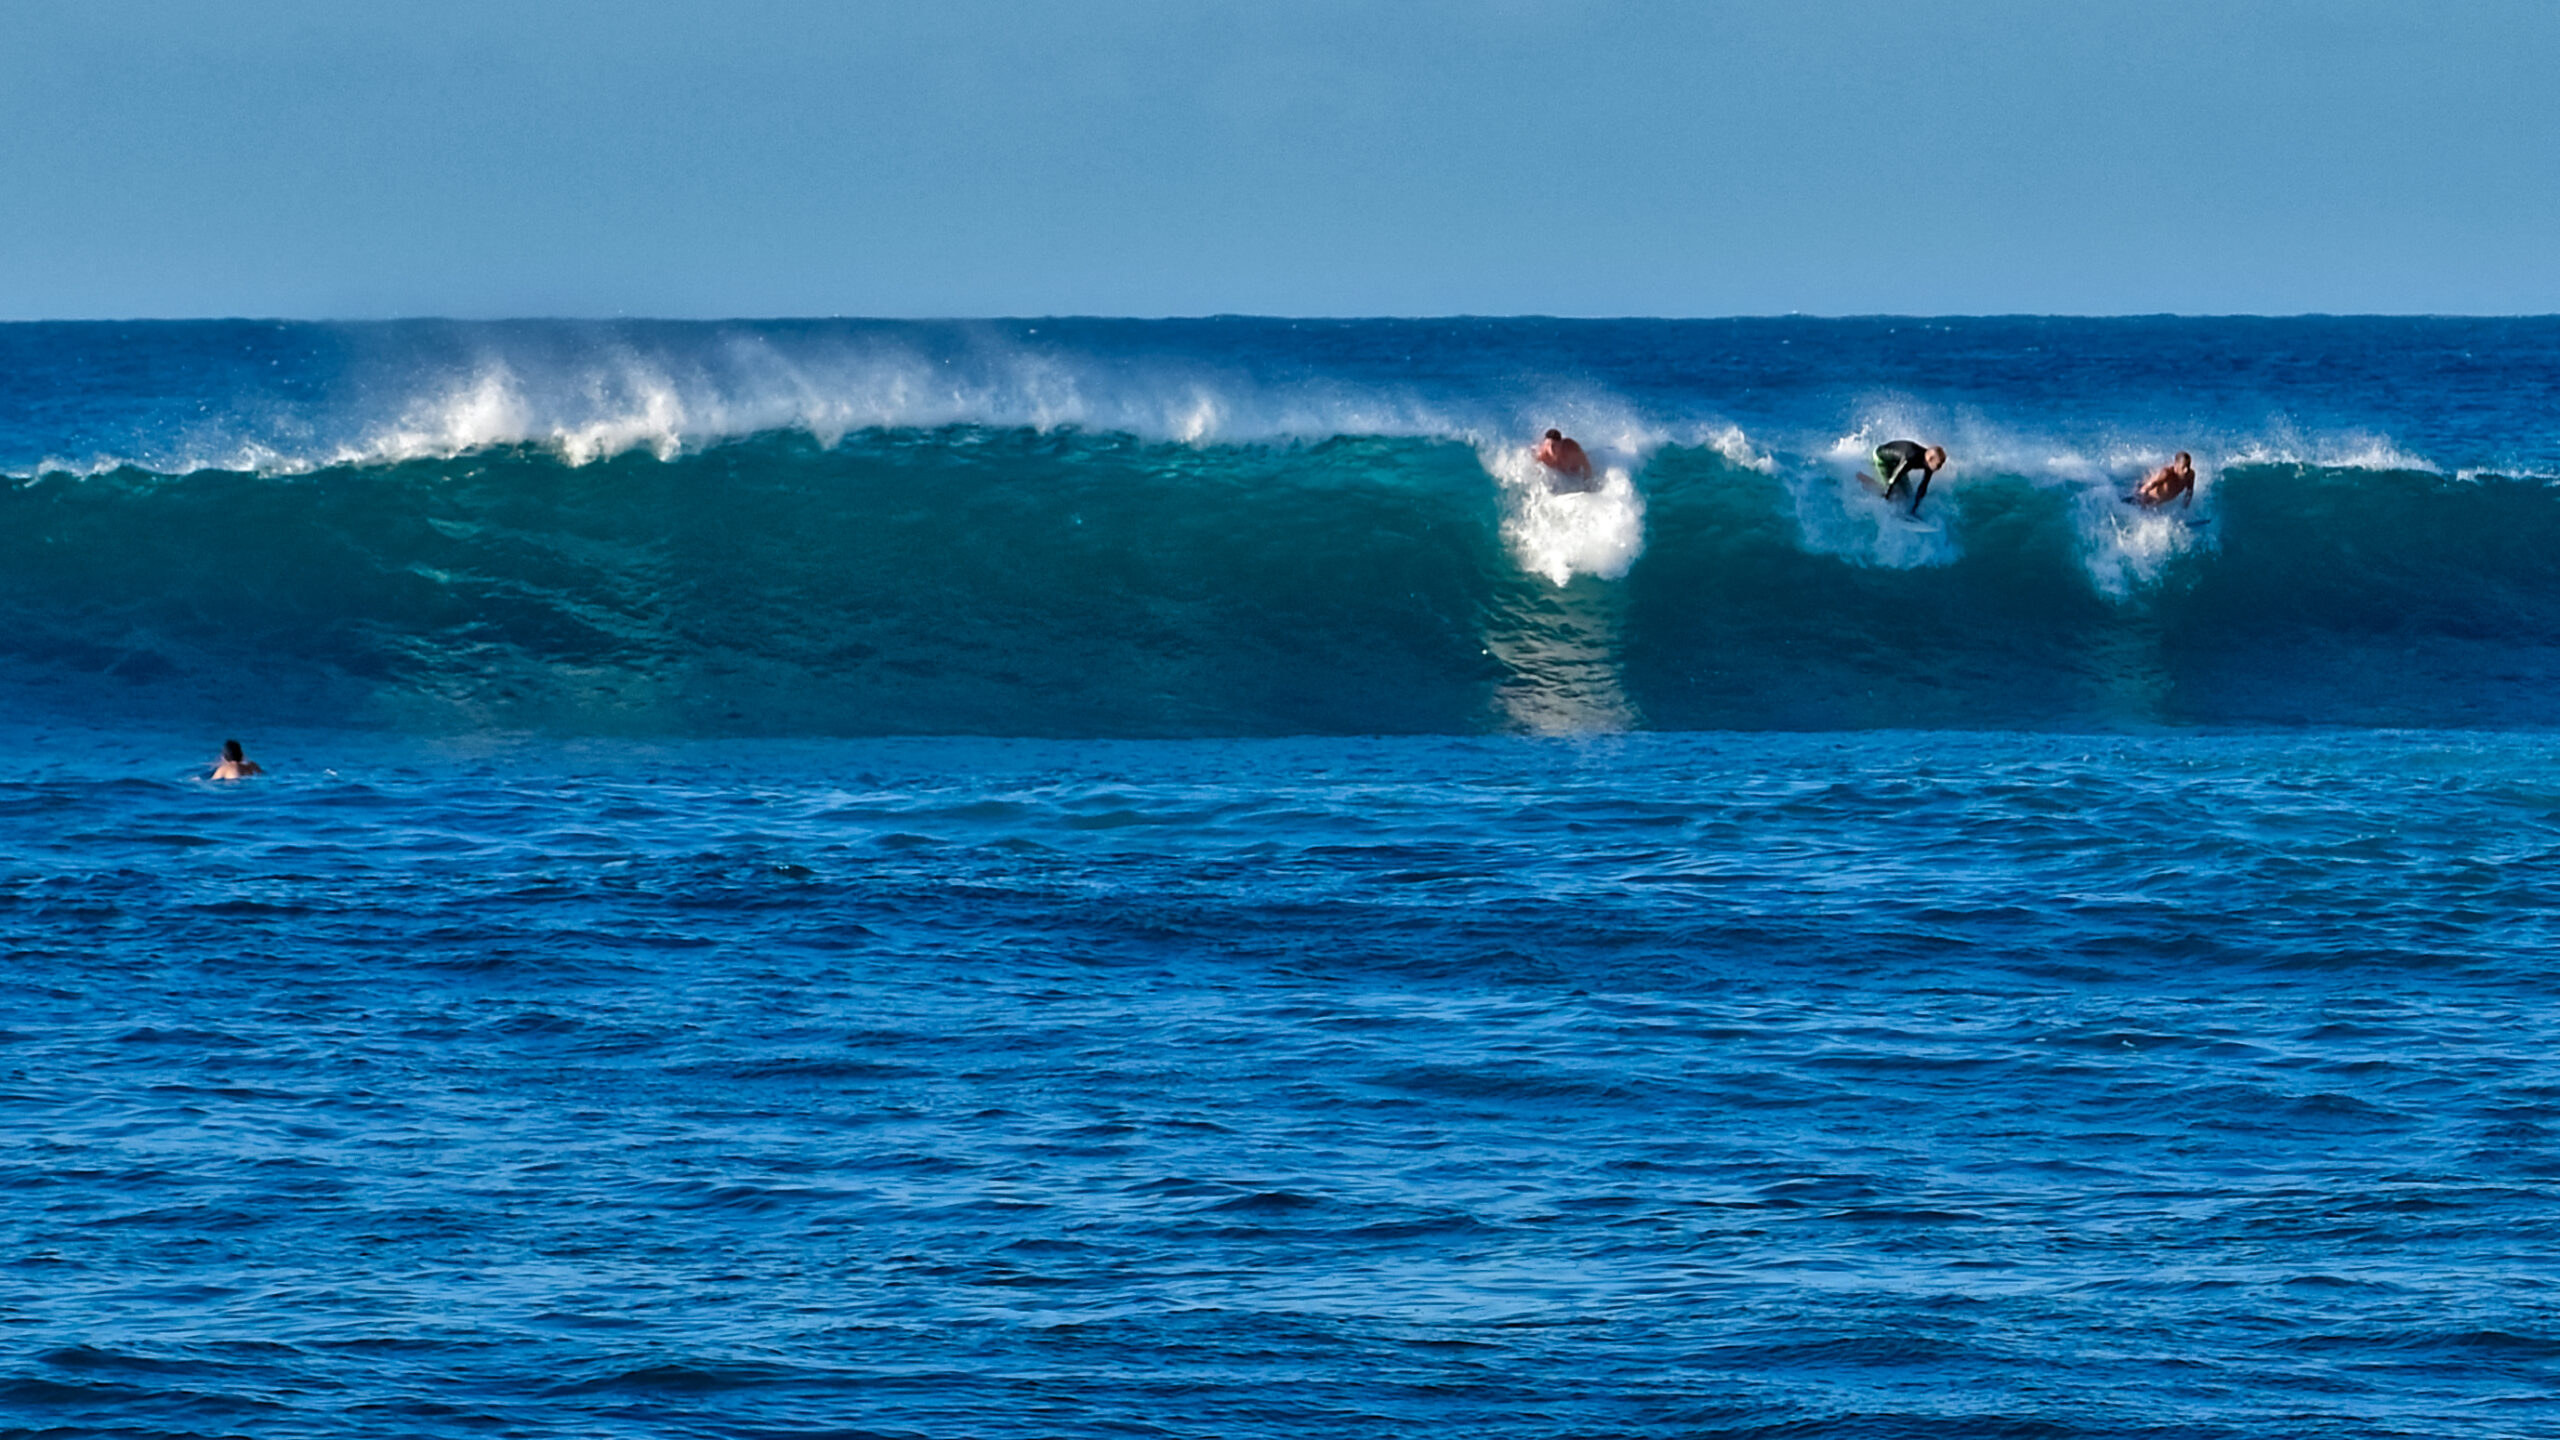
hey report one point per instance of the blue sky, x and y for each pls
(1148, 157)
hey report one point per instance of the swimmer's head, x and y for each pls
(1935, 457)
(231, 752)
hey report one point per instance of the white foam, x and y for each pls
(1597, 532)
(1730, 442)
(2471, 475)
(2282, 444)
(2127, 549)
(1835, 515)
(238, 455)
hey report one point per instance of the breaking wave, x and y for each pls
(1250, 527)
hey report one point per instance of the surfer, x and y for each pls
(1570, 469)
(235, 764)
(2169, 482)
(1896, 459)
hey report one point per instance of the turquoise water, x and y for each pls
(1271, 528)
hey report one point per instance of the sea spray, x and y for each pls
(1558, 533)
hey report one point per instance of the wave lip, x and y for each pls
(292, 400)
(585, 393)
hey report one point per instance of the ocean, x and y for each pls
(1148, 878)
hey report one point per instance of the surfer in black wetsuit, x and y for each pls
(1896, 459)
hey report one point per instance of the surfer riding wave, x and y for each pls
(1895, 462)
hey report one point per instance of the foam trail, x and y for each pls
(2127, 549)
(1558, 536)
(1835, 515)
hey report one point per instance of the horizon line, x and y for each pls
(632, 317)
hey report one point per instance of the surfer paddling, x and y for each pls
(235, 764)
(1897, 460)
(1569, 470)
(2170, 482)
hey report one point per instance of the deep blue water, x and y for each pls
(1095, 878)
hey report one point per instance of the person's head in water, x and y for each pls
(1555, 434)
(235, 763)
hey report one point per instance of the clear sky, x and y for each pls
(1369, 157)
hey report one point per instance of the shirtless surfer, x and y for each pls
(2169, 482)
(1570, 469)
(1897, 459)
(234, 764)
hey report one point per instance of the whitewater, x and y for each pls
(1070, 877)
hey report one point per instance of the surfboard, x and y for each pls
(2182, 514)
(1904, 517)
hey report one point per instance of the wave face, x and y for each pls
(1263, 527)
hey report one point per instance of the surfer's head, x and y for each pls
(1935, 457)
(2186, 461)
(1555, 434)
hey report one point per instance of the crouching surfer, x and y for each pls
(1568, 469)
(1898, 460)
(2173, 481)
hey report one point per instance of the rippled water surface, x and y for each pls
(2193, 1084)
